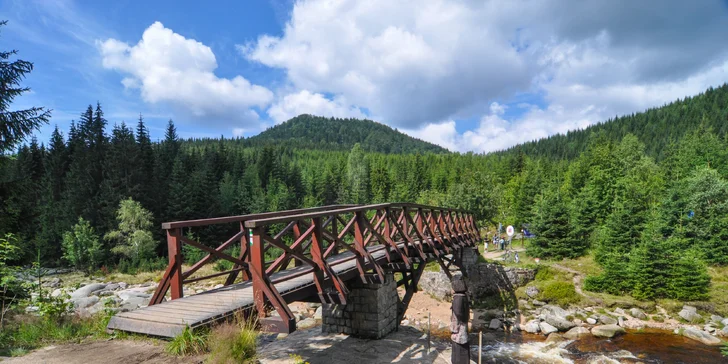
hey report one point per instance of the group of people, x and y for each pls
(498, 243)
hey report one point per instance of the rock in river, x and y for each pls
(607, 330)
(576, 333)
(607, 320)
(546, 328)
(700, 335)
(560, 323)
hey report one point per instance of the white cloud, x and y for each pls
(411, 62)
(305, 102)
(169, 68)
(442, 134)
(417, 63)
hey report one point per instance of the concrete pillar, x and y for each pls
(370, 312)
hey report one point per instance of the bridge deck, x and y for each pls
(169, 318)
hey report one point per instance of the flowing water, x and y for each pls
(646, 346)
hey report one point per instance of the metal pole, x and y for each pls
(428, 332)
(480, 347)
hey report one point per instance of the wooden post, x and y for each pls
(257, 260)
(480, 347)
(174, 247)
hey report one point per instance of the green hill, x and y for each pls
(655, 127)
(315, 132)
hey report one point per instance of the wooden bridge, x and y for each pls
(312, 254)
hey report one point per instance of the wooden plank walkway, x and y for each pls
(169, 318)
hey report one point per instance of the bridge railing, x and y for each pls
(279, 246)
(175, 277)
(403, 232)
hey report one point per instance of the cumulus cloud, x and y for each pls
(305, 102)
(168, 68)
(412, 62)
(423, 65)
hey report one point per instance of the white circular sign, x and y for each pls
(510, 231)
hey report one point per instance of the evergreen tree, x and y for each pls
(690, 280)
(16, 125)
(132, 239)
(357, 176)
(650, 264)
(552, 231)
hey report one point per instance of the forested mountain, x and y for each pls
(315, 132)
(657, 128)
(646, 194)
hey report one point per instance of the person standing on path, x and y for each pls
(459, 323)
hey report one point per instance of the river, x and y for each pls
(645, 346)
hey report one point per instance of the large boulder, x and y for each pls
(131, 300)
(306, 323)
(532, 327)
(576, 333)
(83, 302)
(86, 290)
(560, 323)
(495, 324)
(690, 314)
(607, 331)
(487, 279)
(554, 310)
(637, 313)
(546, 328)
(700, 335)
(607, 320)
(437, 285)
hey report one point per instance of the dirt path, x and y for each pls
(107, 352)
(497, 254)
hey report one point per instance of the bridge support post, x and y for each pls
(370, 312)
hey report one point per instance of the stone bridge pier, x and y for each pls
(371, 309)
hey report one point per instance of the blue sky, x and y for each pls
(468, 75)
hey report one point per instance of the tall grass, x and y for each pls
(189, 342)
(234, 342)
(30, 332)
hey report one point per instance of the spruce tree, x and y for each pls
(690, 280)
(650, 264)
(552, 230)
(357, 176)
(16, 125)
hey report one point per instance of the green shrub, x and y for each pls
(658, 318)
(81, 246)
(561, 293)
(188, 342)
(54, 308)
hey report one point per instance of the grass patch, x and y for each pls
(561, 293)
(19, 351)
(189, 342)
(658, 318)
(233, 343)
(432, 267)
(26, 332)
(585, 265)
